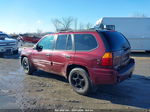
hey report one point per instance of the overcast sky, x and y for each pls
(29, 15)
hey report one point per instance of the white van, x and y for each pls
(8, 44)
(135, 29)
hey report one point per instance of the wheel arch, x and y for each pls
(70, 67)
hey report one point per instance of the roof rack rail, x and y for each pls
(81, 30)
(59, 31)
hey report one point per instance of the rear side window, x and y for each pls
(115, 41)
(85, 42)
(61, 42)
(64, 42)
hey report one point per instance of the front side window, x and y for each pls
(85, 42)
(47, 42)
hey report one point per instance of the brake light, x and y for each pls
(107, 59)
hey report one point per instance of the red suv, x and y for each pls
(85, 58)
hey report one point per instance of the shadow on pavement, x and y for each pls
(133, 92)
(40, 73)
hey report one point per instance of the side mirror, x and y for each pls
(34, 46)
(39, 48)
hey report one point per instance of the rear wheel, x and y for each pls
(79, 80)
(28, 68)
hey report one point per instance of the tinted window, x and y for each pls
(85, 42)
(61, 42)
(115, 40)
(69, 43)
(47, 42)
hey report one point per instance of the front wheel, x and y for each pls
(79, 80)
(28, 68)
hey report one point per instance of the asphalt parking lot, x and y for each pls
(43, 90)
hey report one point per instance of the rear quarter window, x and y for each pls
(114, 40)
(85, 42)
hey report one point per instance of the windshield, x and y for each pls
(115, 41)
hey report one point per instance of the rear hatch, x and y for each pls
(116, 43)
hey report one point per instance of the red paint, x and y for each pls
(57, 61)
(30, 39)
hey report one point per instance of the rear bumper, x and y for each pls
(111, 76)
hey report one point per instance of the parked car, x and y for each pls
(85, 58)
(8, 44)
(28, 38)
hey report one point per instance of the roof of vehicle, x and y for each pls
(77, 31)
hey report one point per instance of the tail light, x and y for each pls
(107, 59)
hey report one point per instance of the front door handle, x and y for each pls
(48, 54)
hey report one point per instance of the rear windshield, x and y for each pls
(114, 40)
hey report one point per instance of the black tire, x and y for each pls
(28, 68)
(15, 52)
(79, 80)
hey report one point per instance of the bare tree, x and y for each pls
(88, 25)
(56, 23)
(75, 23)
(63, 23)
(137, 14)
(39, 31)
(81, 26)
(67, 22)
